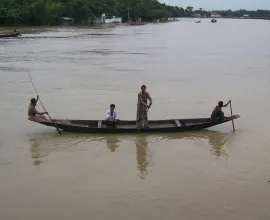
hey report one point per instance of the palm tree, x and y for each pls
(189, 10)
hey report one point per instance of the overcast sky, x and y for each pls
(221, 4)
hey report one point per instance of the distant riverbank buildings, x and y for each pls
(93, 20)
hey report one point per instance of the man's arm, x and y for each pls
(39, 113)
(107, 115)
(227, 104)
(32, 111)
(116, 115)
(36, 111)
(150, 100)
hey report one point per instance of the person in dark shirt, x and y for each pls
(217, 113)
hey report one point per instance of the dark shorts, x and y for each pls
(220, 118)
(112, 123)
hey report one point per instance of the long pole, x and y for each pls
(43, 105)
(232, 116)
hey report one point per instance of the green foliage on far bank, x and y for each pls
(243, 13)
(43, 12)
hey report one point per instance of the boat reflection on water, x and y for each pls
(143, 155)
(217, 141)
(219, 145)
(42, 145)
(35, 151)
(112, 142)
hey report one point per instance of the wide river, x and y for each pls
(188, 68)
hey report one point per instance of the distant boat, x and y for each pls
(15, 34)
(213, 20)
(198, 21)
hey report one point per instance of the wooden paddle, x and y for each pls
(43, 105)
(232, 116)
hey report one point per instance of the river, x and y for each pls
(188, 68)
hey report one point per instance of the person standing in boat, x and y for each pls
(217, 113)
(111, 116)
(33, 114)
(142, 108)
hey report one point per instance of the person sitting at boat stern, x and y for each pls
(111, 116)
(142, 108)
(33, 114)
(217, 113)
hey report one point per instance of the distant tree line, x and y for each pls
(243, 12)
(49, 12)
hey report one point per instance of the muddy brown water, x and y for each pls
(187, 67)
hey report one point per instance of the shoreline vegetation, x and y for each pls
(51, 12)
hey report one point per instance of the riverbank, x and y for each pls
(126, 23)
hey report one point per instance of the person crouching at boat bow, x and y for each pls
(33, 114)
(111, 116)
(217, 113)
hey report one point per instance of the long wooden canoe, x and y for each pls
(155, 126)
(9, 35)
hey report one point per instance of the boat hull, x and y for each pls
(161, 126)
(9, 35)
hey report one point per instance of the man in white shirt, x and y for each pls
(111, 116)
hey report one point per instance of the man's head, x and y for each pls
(220, 103)
(143, 88)
(112, 107)
(33, 101)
